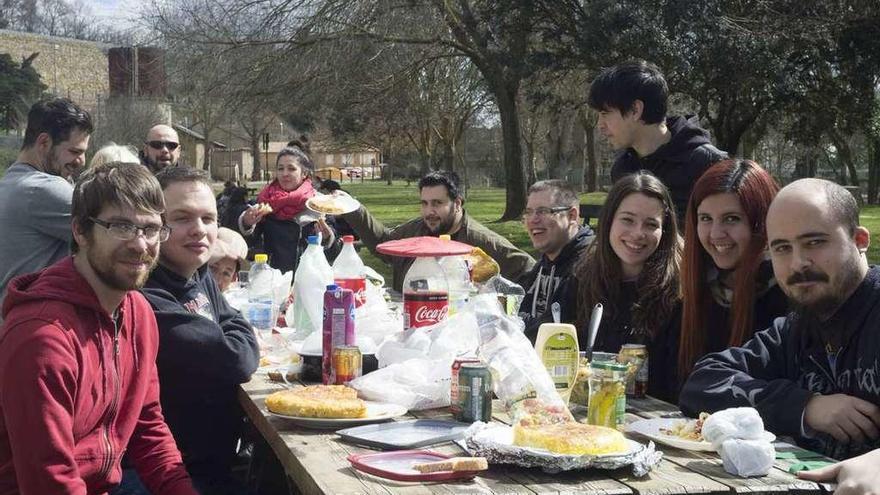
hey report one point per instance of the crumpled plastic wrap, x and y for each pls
(739, 437)
(494, 441)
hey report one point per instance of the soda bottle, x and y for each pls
(425, 294)
(458, 279)
(349, 272)
(261, 284)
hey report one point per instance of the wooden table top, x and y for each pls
(316, 461)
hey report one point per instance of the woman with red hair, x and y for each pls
(728, 288)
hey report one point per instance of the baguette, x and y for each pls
(453, 464)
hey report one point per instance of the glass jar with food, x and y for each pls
(607, 404)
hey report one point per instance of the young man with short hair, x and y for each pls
(631, 99)
(36, 191)
(442, 213)
(78, 379)
(552, 221)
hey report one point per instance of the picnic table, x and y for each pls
(315, 461)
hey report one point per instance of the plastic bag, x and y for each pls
(747, 457)
(739, 437)
(510, 294)
(313, 275)
(415, 384)
(736, 422)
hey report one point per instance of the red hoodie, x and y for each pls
(75, 393)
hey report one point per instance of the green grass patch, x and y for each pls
(398, 203)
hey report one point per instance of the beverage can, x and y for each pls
(636, 356)
(474, 393)
(347, 363)
(453, 384)
(338, 329)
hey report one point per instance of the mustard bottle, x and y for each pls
(557, 346)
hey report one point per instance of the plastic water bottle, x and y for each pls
(458, 279)
(349, 271)
(261, 312)
(425, 294)
(313, 275)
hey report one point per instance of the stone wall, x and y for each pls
(72, 68)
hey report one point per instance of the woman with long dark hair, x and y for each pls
(727, 281)
(631, 268)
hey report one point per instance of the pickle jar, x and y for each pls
(607, 404)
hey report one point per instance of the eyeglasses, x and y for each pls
(158, 145)
(127, 231)
(542, 212)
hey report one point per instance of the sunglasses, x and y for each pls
(158, 145)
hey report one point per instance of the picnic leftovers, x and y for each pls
(318, 401)
(453, 464)
(482, 266)
(570, 438)
(326, 205)
(689, 429)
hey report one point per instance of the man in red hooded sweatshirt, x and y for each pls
(78, 380)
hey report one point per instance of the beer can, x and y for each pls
(474, 393)
(635, 355)
(347, 363)
(453, 384)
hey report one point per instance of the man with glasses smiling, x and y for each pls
(552, 221)
(161, 149)
(78, 375)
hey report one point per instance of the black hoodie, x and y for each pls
(553, 281)
(678, 163)
(206, 349)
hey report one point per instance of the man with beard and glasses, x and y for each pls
(36, 191)
(207, 348)
(161, 149)
(813, 374)
(442, 213)
(78, 378)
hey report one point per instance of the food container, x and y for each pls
(607, 404)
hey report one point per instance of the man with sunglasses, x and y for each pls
(161, 149)
(35, 192)
(78, 376)
(552, 221)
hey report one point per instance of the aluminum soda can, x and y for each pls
(453, 383)
(637, 380)
(338, 327)
(474, 393)
(347, 363)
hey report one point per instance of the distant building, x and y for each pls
(193, 147)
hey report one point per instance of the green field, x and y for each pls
(398, 203)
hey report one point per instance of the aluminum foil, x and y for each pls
(494, 441)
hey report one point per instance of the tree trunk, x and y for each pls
(506, 97)
(207, 159)
(873, 170)
(592, 171)
(845, 152)
(577, 156)
(256, 172)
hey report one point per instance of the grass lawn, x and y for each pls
(398, 203)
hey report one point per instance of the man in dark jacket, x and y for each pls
(631, 101)
(553, 224)
(813, 374)
(206, 348)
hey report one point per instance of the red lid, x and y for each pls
(414, 247)
(348, 238)
(397, 465)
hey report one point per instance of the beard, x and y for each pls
(445, 225)
(55, 166)
(824, 305)
(103, 268)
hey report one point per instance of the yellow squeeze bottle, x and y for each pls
(557, 346)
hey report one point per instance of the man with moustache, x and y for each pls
(36, 191)
(442, 213)
(207, 348)
(78, 379)
(161, 148)
(813, 374)
(553, 223)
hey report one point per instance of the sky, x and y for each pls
(113, 10)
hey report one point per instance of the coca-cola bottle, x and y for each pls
(425, 294)
(349, 271)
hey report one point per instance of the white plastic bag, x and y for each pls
(415, 384)
(747, 457)
(736, 422)
(313, 275)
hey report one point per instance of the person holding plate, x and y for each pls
(280, 218)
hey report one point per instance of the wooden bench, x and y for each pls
(589, 212)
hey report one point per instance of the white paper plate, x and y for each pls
(651, 429)
(340, 204)
(376, 412)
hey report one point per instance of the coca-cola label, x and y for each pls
(356, 285)
(424, 309)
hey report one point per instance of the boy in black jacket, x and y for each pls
(553, 224)
(206, 347)
(631, 101)
(813, 374)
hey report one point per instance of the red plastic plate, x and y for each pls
(423, 246)
(397, 465)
